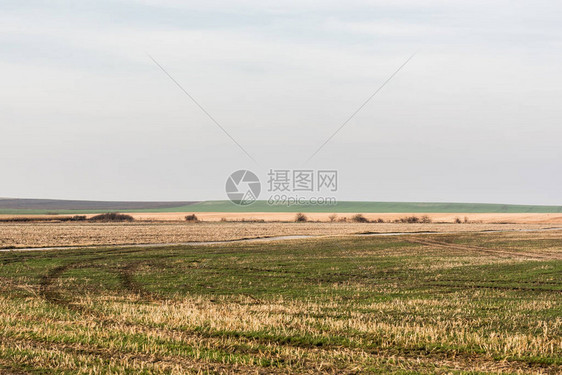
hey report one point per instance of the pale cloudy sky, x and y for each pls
(475, 116)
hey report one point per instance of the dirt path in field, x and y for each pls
(297, 237)
(195, 243)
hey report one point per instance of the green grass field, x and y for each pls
(470, 303)
(340, 207)
(398, 207)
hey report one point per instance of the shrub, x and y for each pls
(408, 219)
(359, 219)
(426, 219)
(301, 218)
(458, 220)
(191, 218)
(412, 219)
(380, 220)
(112, 216)
(332, 217)
(244, 220)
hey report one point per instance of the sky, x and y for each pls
(474, 116)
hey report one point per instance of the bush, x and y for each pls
(301, 218)
(191, 218)
(332, 217)
(244, 220)
(359, 219)
(426, 219)
(408, 219)
(380, 220)
(112, 216)
(457, 220)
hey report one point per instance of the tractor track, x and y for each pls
(51, 293)
(491, 251)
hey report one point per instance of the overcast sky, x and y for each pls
(475, 116)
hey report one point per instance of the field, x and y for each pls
(30, 235)
(50, 206)
(275, 217)
(484, 218)
(374, 207)
(458, 302)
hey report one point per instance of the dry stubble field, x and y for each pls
(460, 303)
(463, 299)
(23, 235)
